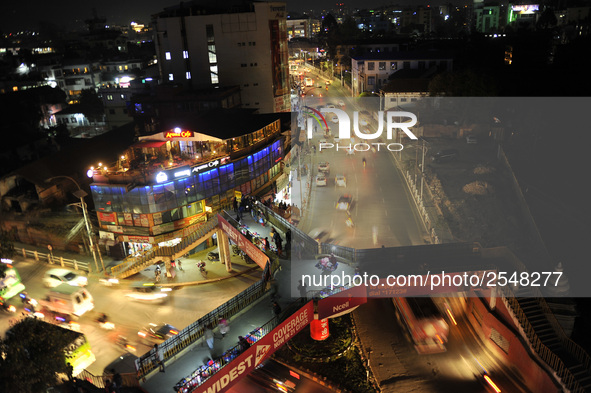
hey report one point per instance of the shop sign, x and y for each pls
(238, 195)
(342, 302)
(138, 239)
(114, 228)
(177, 133)
(209, 165)
(107, 217)
(106, 235)
(259, 257)
(258, 352)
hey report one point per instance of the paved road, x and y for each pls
(184, 306)
(384, 214)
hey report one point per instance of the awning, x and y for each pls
(142, 144)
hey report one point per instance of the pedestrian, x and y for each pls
(209, 337)
(288, 239)
(276, 309)
(235, 205)
(117, 381)
(160, 357)
(224, 328)
(214, 238)
(266, 243)
(180, 265)
(244, 344)
(173, 264)
(108, 386)
(303, 289)
(279, 248)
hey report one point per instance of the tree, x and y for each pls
(6, 245)
(91, 105)
(32, 356)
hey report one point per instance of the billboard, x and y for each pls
(259, 351)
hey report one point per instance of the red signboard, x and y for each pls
(341, 302)
(108, 217)
(259, 351)
(245, 245)
(319, 329)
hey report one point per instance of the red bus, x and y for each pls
(425, 323)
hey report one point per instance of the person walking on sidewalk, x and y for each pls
(209, 337)
(276, 309)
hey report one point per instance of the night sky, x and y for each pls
(26, 14)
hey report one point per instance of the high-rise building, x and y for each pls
(204, 44)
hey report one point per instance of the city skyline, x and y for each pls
(22, 16)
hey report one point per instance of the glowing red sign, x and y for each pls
(179, 134)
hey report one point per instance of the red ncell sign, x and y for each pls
(341, 302)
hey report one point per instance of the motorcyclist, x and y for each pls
(102, 318)
(157, 273)
(363, 160)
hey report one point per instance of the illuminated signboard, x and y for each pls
(176, 173)
(209, 165)
(178, 133)
(526, 8)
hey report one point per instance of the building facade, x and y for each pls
(172, 179)
(371, 72)
(205, 45)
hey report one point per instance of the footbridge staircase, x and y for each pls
(193, 236)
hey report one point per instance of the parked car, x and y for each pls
(55, 277)
(471, 139)
(446, 155)
(320, 180)
(157, 334)
(340, 181)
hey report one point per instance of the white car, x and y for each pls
(332, 106)
(320, 180)
(55, 277)
(324, 167)
(335, 119)
(341, 103)
(148, 293)
(340, 181)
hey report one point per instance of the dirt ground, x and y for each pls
(474, 194)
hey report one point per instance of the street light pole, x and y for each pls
(81, 194)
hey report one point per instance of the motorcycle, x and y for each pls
(9, 308)
(104, 322)
(202, 270)
(121, 340)
(213, 256)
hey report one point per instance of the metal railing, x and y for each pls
(189, 335)
(63, 262)
(546, 354)
(128, 379)
(203, 373)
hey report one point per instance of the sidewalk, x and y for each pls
(241, 324)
